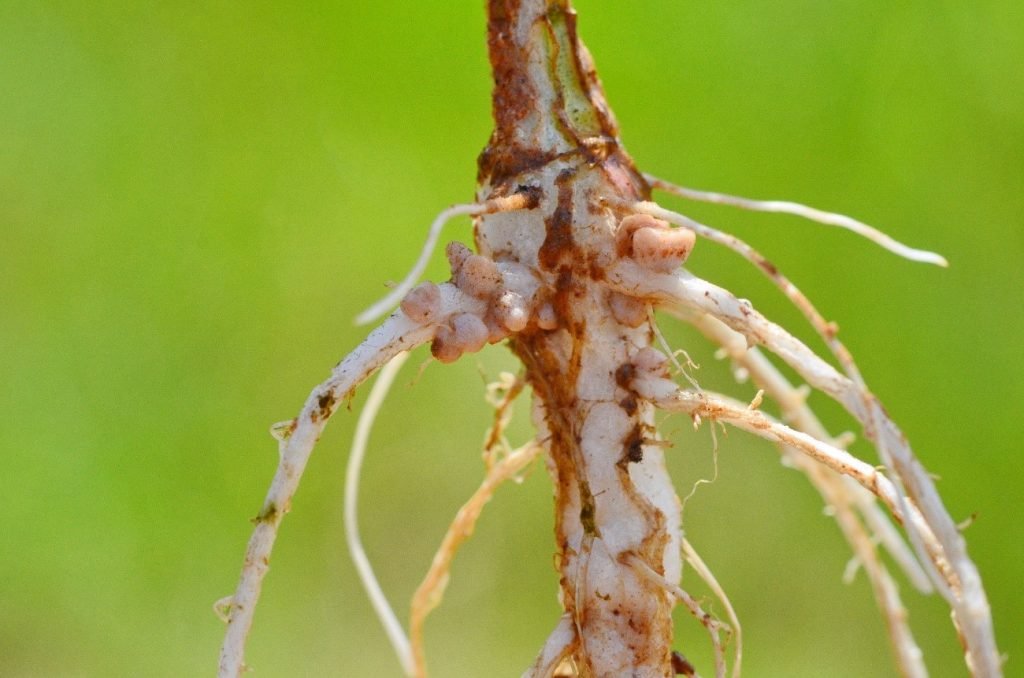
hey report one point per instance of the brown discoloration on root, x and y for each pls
(325, 402)
(513, 90)
(268, 514)
(681, 666)
(633, 446)
(496, 165)
(629, 405)
(554, 362)
(324, 407)
(532, 194)
(554, 382)
(624, 376)
(558, 244)
(444, 347)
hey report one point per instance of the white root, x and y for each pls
(826, 330)
(695, 295)
(935, 536)
(810, 213)
(716, 407)
(691, 294)
(714, 627)
(556, 649)
(873, 416)
(843, 498)
(795, 410)
(842, 495)
(972, 614)
(385, 613)
(397, 334)
(961, 584)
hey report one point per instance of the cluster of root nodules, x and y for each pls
(514, 299)
(510, 296)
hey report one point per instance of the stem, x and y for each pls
(547, 99)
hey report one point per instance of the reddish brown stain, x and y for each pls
(554, 382)
(325, 402)
(633, 445)
(533, 195)
(568, 288)
(681, 666)
(513, 91)
(267, 515)
(514, 97)
(629, 405)
(558, 242)
(437, 348)
(624, 376)
(595, 268)
(499, 162)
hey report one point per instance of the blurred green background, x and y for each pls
(197, 198)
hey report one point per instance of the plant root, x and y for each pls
(385, 613)
(296, 441)
(930, 529)
(841, 494)
(715, 628)
(800, 210)
(960, 583)
(571, 261)
(557, 649)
